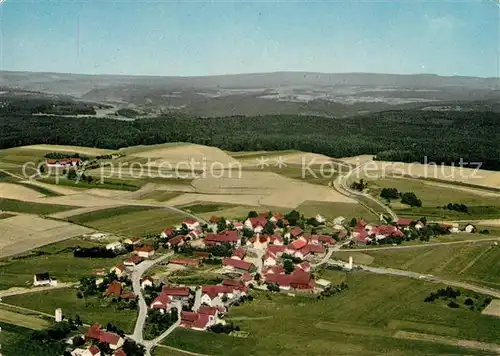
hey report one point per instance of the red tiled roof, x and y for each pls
(297, 244)
(93, 332)
(296, 231)
(119, 352)
(161, 302)
(327, 239)
(229, 236)
(109, 338)
(274, 270)
(404, 222)
(246, 266)
(146, 248)
(214, 219)
(177, 291)
(312, 249)
(189, 317)
(361, 223)
(212, 291)
(185, 261)
(114, 288)
(240, 253)
(258, 221)
(363, 236)
(128, 295)
(201, 322)
(231, 282)
(202, 254)
(94, 350)
(205, 309)
(276, 248)
(120, 267)
(190, 221)
(174, 241)
(134, 259)
(169, 231)
(246, 277)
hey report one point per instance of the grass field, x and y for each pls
(10, 335)
(166, 351)
(130, 220)
(92, 310)
(476, 263)
(360, 321)
(31, 208)
(42, 190)
(57, 259)
(108, 183)
(482, 205)
(26, 321)
(333, 210)
(207, 208)
(159, 196)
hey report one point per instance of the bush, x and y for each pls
(411, 199)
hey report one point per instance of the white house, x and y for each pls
(270, 259)
(145, 251)
(92, 350)
(192, 224)
(470, 228)
(119, 270)
(43, 279)
(117, 245)
(419, 225)
(339, 220)
(320, 219)
(147, 282)
(454, 228)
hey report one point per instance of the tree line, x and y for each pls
(409, 136)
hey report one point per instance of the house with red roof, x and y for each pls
(114, 289)
(273, 270)
(65, 162)
(404, 222)
(309, 250)
(256, 223)
(119, 270)
(247, 278)
(96, 333)
(145, 251)
(132, 241)
(198, 320)
(239, 254)
(181, 294)
(213, 295)
(190, 262)
(167, 233)
(326, 240)
(304, 266)
(270, 259)
(295, 233)
(191, 224)
(163, 303)
(238, 226)
(297, 280)
(133, 261)
(119, 352)
(176, 241)
(228, 236)
(194, 234)
(99, 272)
(277, 250)
(147, 282)
(297, 244)
(238, 265)
(276, 239)
(92, 350)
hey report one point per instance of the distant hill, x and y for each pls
(303, 93)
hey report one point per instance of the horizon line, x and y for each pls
(243, 73)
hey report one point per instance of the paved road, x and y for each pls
(331, 250)
(143, 308)
(427, 277)
(340, 184)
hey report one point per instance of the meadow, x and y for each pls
(482, 204)
(91, 310)
(476, 263)
(130, 221)
(10, 336)
(20, 206)
(57, 259)
(374, 310)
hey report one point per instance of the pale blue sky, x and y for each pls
(201, 38)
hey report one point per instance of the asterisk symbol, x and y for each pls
(262, 162)
(280, 162)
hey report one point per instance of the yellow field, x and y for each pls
(25, 232)
(76, 149)
(18, 192)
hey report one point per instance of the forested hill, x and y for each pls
(393, 135)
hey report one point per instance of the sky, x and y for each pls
(192, 38)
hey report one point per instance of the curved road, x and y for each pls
(340, 184)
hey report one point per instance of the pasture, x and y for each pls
(91, 309)
(476, 263)
(26, 321)
(130, 221)
(11, 335)
(364, 320)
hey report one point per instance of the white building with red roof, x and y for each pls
(239, 254)
(234, 265)
(145, 251)
(114, 341)
(191, 224)
(119, 270)
(269, 259)
(228, 236)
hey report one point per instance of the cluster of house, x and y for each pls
(65, 162)
(208, 302)
(262, 253)
(95, 333)
(139, 254)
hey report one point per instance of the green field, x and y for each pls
(10, 336)
(434, 196)
(90, 310)
(107, 183)
(207, 208)
(26, 321)
(166, 351)
(57, 259)
(333, 210)
(360, 321)
(159, 195)
(19, 206)
(473, 262)
(130, 220)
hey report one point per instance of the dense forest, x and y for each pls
(408, 136)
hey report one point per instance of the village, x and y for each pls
(268, 252)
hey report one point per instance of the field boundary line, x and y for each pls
(477, 258)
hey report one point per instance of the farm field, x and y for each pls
(472, 262)
(11, 335)
(481, 204)
(333, 210)
(374, 309)
(90, 310)
(131, 221)
(24, 232)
